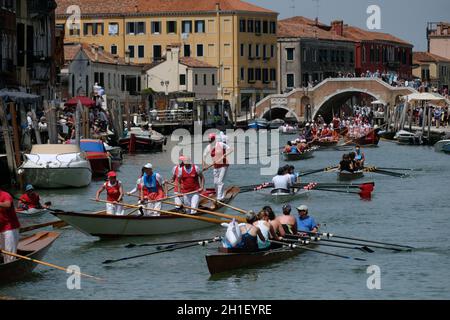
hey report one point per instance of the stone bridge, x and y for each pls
(328, 98)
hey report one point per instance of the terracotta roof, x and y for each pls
(305, 27)
(194, 63)
(71, 50)
(155, 6)
(428, 57)
(358, 34)
(298, 29)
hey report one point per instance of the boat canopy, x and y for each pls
(54, 148)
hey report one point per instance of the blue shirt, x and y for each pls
(307, 224)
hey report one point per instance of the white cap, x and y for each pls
(148, 166)
(302, 208)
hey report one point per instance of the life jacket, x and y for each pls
(189, 181)
(359, 156)
(287, 149)
(224, 160)
(150, 184)
(113, 192)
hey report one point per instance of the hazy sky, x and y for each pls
(406, 19)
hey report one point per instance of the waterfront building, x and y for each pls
(236, 37)
(438, 36)
(88, 64)
(432, 69)
(309, 53)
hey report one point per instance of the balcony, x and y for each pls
(40, 7)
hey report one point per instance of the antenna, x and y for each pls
(292, 7)
(317, 9)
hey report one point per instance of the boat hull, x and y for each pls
(109, 226)
(442, 146)
(51, 178)
(226, 260)
(326, 143)
(370, 140)
(283, 196)
(31, 212)
(298, 156)
(35, 247)
(100, 164)
(348, 176)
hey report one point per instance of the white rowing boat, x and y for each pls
(110, 226)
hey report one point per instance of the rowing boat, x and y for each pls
(307, 154)
(369, 140)
(34, 246)
(284, 195)
(110, 226)
(33, 212)
(348, 176)
(231, 259)
(325, 143)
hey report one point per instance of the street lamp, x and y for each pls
(166, 83)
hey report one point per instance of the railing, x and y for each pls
(171, 116)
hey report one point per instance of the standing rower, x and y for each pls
(218, 151)
(9, 226)
(152, 190)
(114, 194)
(190, 182)
(175, 172)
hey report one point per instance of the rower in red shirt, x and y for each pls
(30, 199)
(114, 194)
(176, 169)
(9, 226)
(191, 182)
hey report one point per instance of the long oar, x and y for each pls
(360, 248)
(303, 247)
(221, 215)
(384, 172)
(335, 185)
(224, 204)
(330, 235)
(54, 224)
(317, 171)
(133, 245)
(47, 264)
(363, 195)
(352, 243)
(400, 169)
(210, 220)
(202, 243)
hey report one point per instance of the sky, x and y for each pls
(406, 19)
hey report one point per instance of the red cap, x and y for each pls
(112, 174)
(212, 136)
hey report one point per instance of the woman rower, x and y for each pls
(152, 190)
(250, 234)
(346, 164)
(114, 194)
(266, 229)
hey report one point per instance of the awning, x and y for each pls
(85, 101)
(18, 97)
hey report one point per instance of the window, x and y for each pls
(250, 75)
(199, 50)
(305, 54)
(196, 79)
(250, 51)
(199, 26)
(289, 54)
(265, 75)
(273, 74)
(157, 52)
(258, 27)
(182, 79)
(141, 53)
(242, 74)
(187, 50)
(136, 27)
(250, 25)
(213, 79)
(290, 80)
(140, 28)
(186, 26)
(122, 82)
(204, 80)
(156, 27)
(272, 51)
(257, 53)
(92, 29)
(242, 49)
(99, 77)
(113, 29)
(265, 26)
(242, 25)
(273, 27)
(264, 51)
(113, 49)
(352, 57)
(171, 27)
(258, 74)
(131, 50)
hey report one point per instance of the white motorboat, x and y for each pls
(442, 146)
(408, 138)
(56, 166)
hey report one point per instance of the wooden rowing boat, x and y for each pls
(231, 259)
(348, 176)
(369, 140)
(109, 226)
(34, 246)
(326, 143)
(284, 195)
(33, 212)
(307, 154)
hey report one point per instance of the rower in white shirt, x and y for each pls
(282, 180)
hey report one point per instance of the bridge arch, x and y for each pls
(278, 112)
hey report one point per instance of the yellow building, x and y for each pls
(432, 69)
(237, 37)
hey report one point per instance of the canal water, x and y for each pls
(412, 211)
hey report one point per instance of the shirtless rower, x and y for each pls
(288, 223)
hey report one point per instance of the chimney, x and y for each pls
(127, 57)
(96, 53)
(316, 21)
(217, 6)
(136, 9)
(337, 27)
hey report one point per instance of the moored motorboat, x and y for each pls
(110, 226)
(348, 176)
(276, 124)
(56, 166)
(408, 138)
(307, 154)
(258, 124)
(100, 160)
(442, 146)
(35, 247)
(143, 140)
(227, 260)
